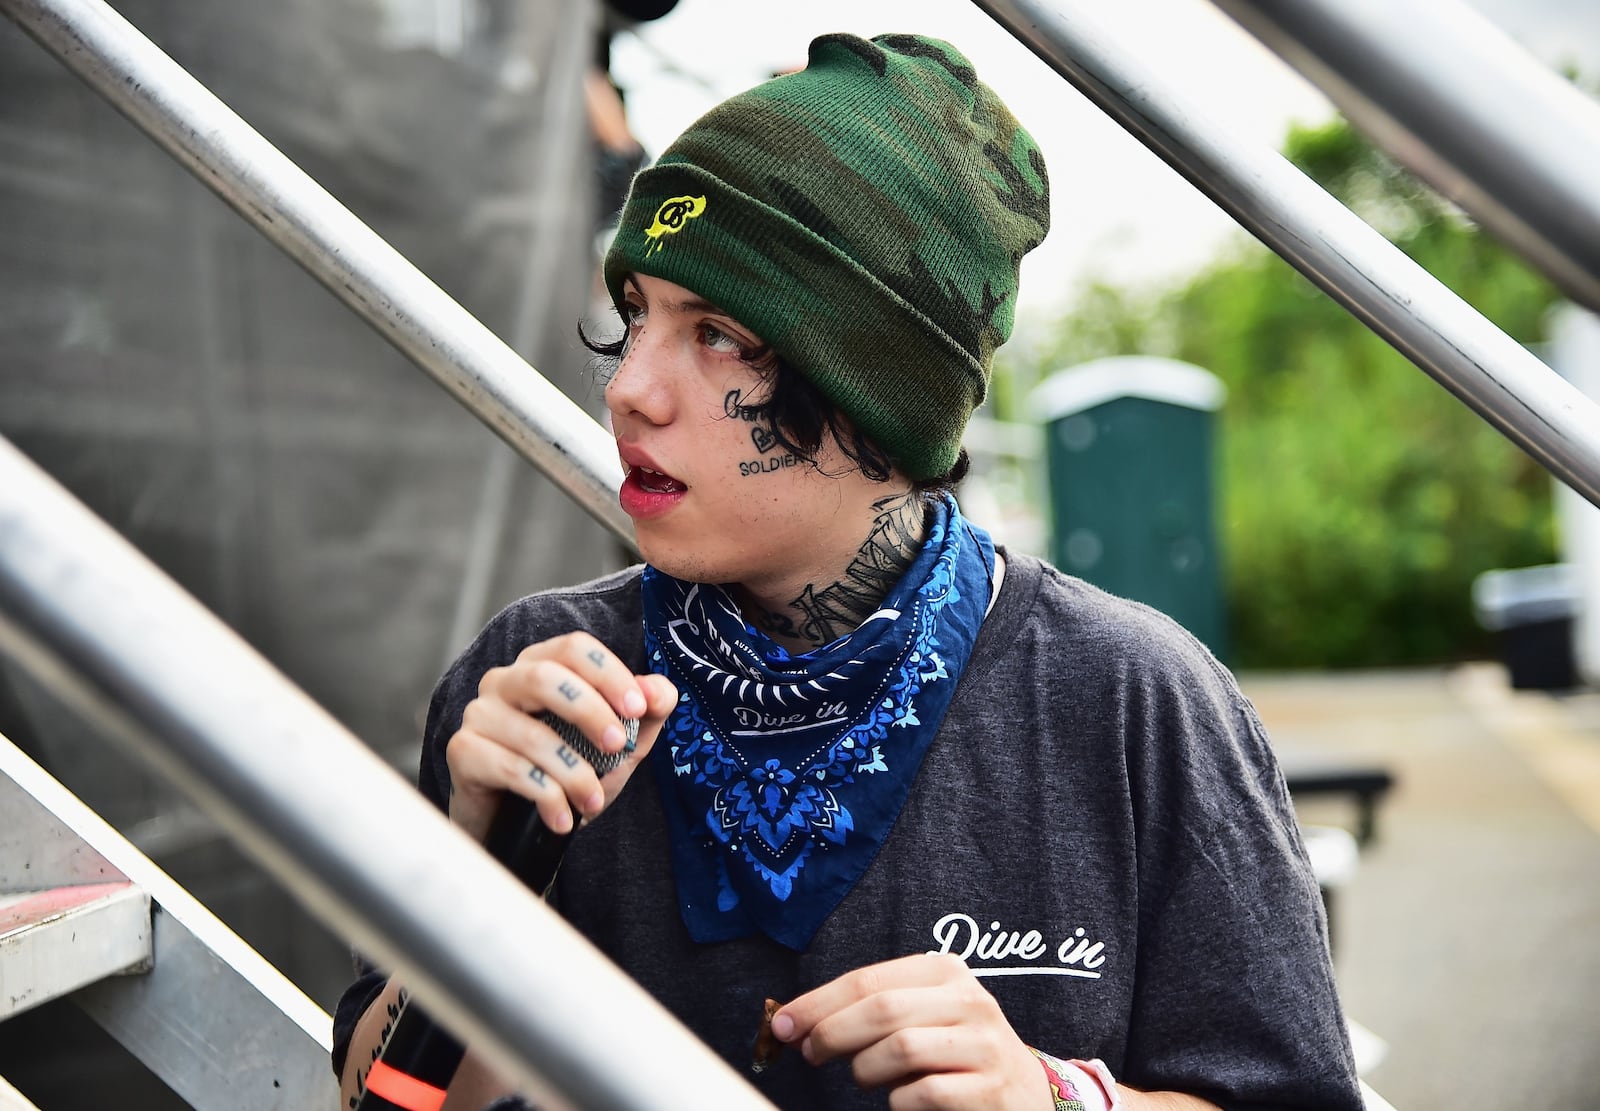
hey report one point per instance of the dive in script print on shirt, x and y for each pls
(1002, 951)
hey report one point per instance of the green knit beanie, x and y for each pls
(866, 217)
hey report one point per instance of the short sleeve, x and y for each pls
(1235, 997)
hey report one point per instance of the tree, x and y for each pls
(1358, 498)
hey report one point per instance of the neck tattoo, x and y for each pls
(821, 614)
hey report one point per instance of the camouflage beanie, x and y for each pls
(866, 217)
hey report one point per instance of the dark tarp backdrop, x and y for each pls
(268, 450)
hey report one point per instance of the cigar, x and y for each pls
(767, 1045)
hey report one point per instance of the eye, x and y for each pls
(632, 314)
(720, 341)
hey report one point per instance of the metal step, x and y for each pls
(216, 1023)
(56, 941)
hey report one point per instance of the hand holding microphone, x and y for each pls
(503, 747)
(551, 739)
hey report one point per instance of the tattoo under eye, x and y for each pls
(733, 404)
(762, 437)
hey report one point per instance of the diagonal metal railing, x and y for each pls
(95, 622)
(1493, 374)
(1469, 111)
(98, 624)
(379, 284)
(102, 627)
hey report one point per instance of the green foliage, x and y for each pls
(1358, 499)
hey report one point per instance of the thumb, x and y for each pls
(660, 697)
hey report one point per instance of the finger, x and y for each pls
(912, 1051)
(545, 755)
(598, 666)
(661, 698)
(860, 1025)
(944, 1091)
(796, 1019)
(534, 685)
(482, 769)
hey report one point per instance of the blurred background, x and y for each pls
(1327, 518)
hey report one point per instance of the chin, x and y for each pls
(690, 566)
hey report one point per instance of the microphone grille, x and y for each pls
(604, 763)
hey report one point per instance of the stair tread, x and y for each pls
(56, 941)
(21, 910)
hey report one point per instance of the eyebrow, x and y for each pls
(688, 304)
(695, 304)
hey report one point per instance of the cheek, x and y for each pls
(748, 446)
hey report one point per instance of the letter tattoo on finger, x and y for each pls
(568, 691)
(537, 774)
(567, 756)
(597, 657)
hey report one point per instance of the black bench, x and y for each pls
(1366, 784)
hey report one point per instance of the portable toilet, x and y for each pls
(1129, 452)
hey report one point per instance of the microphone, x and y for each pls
(416, 1057)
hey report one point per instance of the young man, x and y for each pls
(993, 838)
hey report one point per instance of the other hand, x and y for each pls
(923, 1027)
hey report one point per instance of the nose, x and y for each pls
(638, 388)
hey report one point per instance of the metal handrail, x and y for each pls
(113, 637)
(1493, 374)
(1465, 108)
(261, 184)
(95, 622)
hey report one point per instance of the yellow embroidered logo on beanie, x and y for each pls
(670, 218)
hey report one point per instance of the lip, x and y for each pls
(636, 501)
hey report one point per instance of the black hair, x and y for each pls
(799, 415)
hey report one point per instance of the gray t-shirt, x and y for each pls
(1099, 829)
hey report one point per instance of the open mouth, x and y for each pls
(656, 482)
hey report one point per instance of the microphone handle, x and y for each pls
(418, 1057)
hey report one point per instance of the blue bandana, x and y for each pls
(782, 775)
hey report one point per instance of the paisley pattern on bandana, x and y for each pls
(781, 775)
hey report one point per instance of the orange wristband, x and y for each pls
(402, 1090)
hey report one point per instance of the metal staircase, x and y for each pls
(87, 917)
